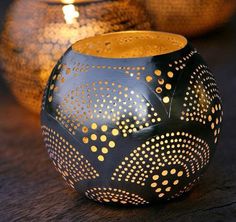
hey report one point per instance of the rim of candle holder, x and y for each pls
(130, 44)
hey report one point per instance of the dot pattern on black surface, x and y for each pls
(113, 195)
(186, 188)
(73, 166)
(162, 83)
(215, 119)
(181, 63)
(124, 126)
(201, 92)
(178, 154)
(80, 68)
(132, 71)
(83, 108)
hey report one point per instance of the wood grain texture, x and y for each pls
(31, 189)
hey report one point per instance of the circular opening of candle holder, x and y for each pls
(37, 32)
(131, 117)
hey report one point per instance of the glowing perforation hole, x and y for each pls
(50, 99)
(165, 182)
(104, 128)
(158, 89)
(166, 99)
(168, 189)
(93, 137)
(168, 86)
(104, 150)
(153, 185)
(101, 158)
(103, 138)
(170, 74)
(85, 140)
(164, 172)
(176, 182)
(112, 144)
(161, 81)
(115, 132)
(94, 126)
(157, 72)
(94, 149)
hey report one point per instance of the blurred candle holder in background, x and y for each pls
(37, 32)
(189, 17)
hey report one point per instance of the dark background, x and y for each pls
(31, 190)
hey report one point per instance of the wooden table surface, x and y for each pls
(31, 189)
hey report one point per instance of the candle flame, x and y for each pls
(67, 1)
(70, 12)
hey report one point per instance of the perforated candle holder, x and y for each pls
(131, 117)
(191, 17)
(37, 32)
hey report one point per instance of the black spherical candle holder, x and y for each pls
(131, 117)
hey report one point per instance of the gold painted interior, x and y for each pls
(130, 44)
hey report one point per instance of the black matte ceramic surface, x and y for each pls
(131, 130)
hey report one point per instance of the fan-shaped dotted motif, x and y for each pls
(181, 63)
(201, 92)
(78, 68)
(68, 161)
(111, 195)
(131, 71)
(83, 108)
(215, 119)
(176, 153)
(166, 181)
(162, 84)
(186, 188)
(63, 71)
